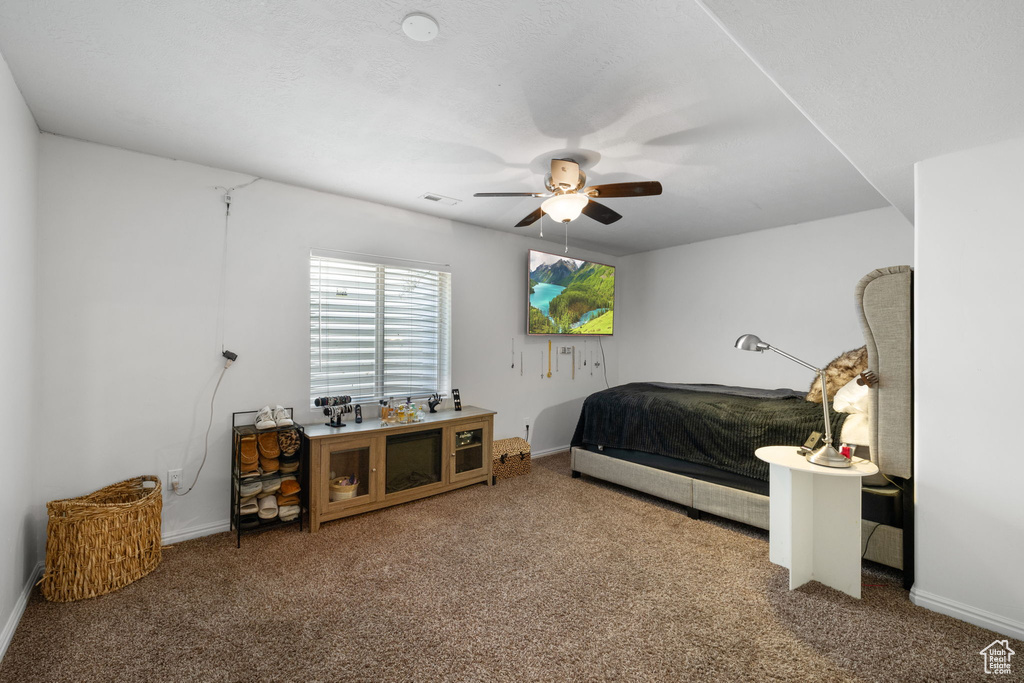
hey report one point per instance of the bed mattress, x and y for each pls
(705, 424)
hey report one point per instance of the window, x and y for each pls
(378, 330)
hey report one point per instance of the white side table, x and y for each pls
(814, 514)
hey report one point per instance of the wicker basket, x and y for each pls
(98, 543)
(341, 490)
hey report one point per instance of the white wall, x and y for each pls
(970, 514)
(19, 139)
(130, 263)
(682, 309)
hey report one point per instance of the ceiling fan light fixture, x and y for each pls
(565, 207)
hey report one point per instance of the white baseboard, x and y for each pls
(194, 532)
(550, 451)
(19, 608)
(964, 612)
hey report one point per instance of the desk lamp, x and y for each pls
(827, 455)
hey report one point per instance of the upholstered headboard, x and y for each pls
(885, 300)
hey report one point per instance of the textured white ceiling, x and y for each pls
(333, 96)
(892, 83)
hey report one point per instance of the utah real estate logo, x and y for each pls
(997, 657)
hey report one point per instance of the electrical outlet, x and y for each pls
(526, 422)
(173, 479)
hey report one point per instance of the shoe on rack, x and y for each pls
(270, 483)
(289, 441)
(267, 508)
(250, 488)
(247, 449)
(265, 418)
(269, 447)
(289, 512)
(281, 418)
(287, 500)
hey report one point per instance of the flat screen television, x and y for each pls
(569, 296)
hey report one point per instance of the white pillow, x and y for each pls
(852, 398)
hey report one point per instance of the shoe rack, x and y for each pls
(243, 428)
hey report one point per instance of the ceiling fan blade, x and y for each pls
(565, 174)
(510, 194)
(532, 218)
(601, 213)
(644, 188)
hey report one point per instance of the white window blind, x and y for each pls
(378, 330)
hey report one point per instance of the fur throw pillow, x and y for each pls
(839, 372)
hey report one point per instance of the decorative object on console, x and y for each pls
(457, 399)
(839, 372)
(827, 455)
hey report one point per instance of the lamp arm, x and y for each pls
(793, 358)
(824, 408)
(824, 390)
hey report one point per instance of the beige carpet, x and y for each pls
(541, 578)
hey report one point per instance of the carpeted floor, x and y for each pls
(541, 578)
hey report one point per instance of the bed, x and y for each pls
(694, 444)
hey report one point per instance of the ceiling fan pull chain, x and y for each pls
(567, 237)
(542, 225)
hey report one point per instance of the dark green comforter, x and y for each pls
(707, 424)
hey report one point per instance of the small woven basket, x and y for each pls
(98, 543)
(340, 491)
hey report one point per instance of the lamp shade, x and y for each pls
(751, 342)
(565, 207)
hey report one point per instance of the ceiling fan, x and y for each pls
(567, 196)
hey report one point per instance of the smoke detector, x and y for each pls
(419, 26)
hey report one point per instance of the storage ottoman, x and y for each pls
(511, 458)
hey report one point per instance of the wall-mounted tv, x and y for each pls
(569, 296)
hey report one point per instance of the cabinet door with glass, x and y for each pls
(469, 449)
(349, 472)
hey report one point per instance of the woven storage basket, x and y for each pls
(98, 543)
(341, 491)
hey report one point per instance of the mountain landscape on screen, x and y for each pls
(570, 296)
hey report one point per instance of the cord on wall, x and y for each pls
(227, 197)
(230, 357)
(604, 365)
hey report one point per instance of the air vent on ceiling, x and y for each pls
(439, 199)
